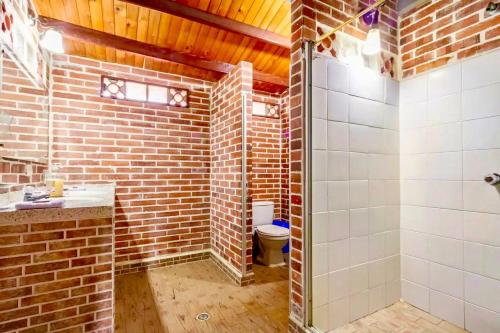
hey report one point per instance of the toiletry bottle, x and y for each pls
(56, 182)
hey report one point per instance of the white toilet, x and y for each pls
(271, 238)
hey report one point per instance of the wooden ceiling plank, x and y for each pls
(97, 24)
(131, 29)
(108, 16)
(88, 35)
(79, 13)
(216, 21)
(120, 13)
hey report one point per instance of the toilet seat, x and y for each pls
(271, 230)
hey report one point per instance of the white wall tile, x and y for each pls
(482, 291)
(376, 193)
(319, 72)
(338, 195)
(321, 318)
(446, 109)
(320, 259)
(393, 268)
(415, 294)
(392, 292)
(338, 136)
(359, 305)
(319, 165)
(376, 271)
(359, 250)
(482, 259)
(338, 254)
(444, 81)
(359, 222)
(364, 82)
(358, 192)
(446, 280)
(481, 102)
(447, 308)
(444, 166)
(481, 71)
(319, 103)
(319, 228)
(376, 246)
(319, 134)
(339, 313)
(377, 219)
(392, 242)
(445, 222)
(481, 133)
(415, 270)
(414, 192)
(377, 298)
(392, 217)
(320, 290)
(319, 197)
(337, 77)
(359, 280)
(414, 244)
(338, 165)
(446, 251)
(415, 141)
(391, 117)
(366, 112)
(413, 115)
(481, 197)
(338, 225)
(444, 138)
(413, 90)
(481, 320)
(444, 194)
(338, 106)
(339, 284)
(482, 228)
(391, 91)
(358, 166)
(479, 163)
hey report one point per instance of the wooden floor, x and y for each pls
(168, 299)
(399, 318)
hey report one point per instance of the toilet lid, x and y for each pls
(272, 230)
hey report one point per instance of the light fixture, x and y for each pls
(52, 41)
(372, 42)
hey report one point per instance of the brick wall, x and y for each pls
(285, 151)
(19, 171)
(226, 168)
(57, 275)
(266, 155)
(158, 156)
(27, 105)
(439, 32)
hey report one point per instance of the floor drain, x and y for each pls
(202, 316)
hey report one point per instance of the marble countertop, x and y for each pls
(84, 201)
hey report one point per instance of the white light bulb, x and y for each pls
(52, 41)
(372, 42)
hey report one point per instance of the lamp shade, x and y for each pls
(372, 42)
(52, 41)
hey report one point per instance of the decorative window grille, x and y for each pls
(265, 110)
(143, 92)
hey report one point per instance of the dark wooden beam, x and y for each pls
(216, 21)
(88, 35)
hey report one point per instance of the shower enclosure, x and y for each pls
(359, 193)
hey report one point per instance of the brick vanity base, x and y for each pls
(57, 275)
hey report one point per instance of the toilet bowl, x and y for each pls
(271, 238)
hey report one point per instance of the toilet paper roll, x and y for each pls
(492, 178)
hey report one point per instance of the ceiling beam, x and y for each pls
(83, 34)
(216, 21)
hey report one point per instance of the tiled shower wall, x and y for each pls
(450, 218)
(355, 192)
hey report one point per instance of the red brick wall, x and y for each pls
(27, 105)
(57, 275)
(285, 155)
(441, 31)
(158, 155)
(226, 168)
(266, 155)
(17, 171)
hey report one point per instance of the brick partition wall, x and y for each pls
(57, 275)
(437, 32)
(226, 169)
(285, 151)
(158, 156)
(266, 155)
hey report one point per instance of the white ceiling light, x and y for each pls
(372, 42)
(52, 41)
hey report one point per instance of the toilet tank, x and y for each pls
(262, 212)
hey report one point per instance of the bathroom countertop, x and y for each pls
(90, 201)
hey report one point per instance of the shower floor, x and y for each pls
(400, 318)
(168, 299)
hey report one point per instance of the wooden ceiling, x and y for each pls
(181, 35)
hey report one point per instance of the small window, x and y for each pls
(259, 109)
(265, 110)
(135, 91)
(157, 94)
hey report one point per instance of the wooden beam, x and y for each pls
(216, 21)
(88, 35)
